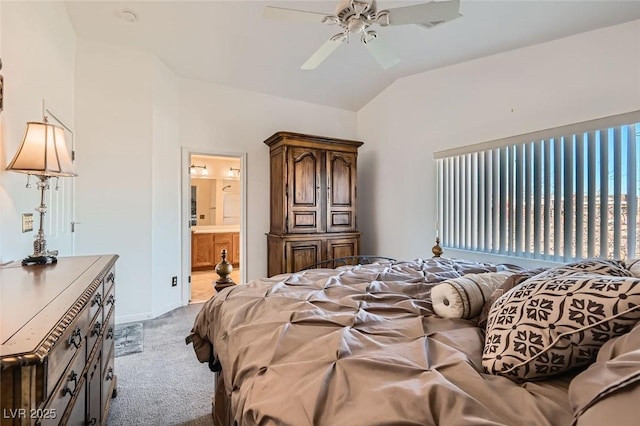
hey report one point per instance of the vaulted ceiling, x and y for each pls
(232, 44)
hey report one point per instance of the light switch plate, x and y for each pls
(27, 222)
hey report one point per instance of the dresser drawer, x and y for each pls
(109, 301)
(110, 279)
(69, 387)
(71, 342)
(94, 391)
(96, 301)
(108, 382)
(108, 340)
(95, 332)
(76, 413)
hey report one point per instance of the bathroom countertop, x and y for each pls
(214, 229)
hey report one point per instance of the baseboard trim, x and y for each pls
(167, 308)
(133, 318)
(148, 315)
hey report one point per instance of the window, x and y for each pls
(560, 194)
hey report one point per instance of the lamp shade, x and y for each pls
(43, 152)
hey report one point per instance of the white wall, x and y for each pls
(115, 157)
(165, 210)
(37, 50)
(578, 78)
(223, 119)
(134, 116)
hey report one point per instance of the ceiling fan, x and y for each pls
(357, 16)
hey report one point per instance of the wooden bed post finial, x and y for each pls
(437, 250)
(224, 269)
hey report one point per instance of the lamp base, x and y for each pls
(39, 260)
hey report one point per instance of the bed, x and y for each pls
(427, 342)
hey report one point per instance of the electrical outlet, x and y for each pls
(27, 222)
(174, 281)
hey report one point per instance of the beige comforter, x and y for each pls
(361, 346)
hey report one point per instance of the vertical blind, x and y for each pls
(560, 194)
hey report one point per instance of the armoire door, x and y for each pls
(342, 247)
(304, 190)
(341, 191)
(301, 254)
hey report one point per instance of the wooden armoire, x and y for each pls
(313, 200)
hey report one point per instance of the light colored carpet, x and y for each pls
(165, 384)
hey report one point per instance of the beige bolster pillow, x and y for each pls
(465, 296)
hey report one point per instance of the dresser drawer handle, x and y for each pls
(73, 377)
(111, 300)
(109, 375)
(72, 339)
(97, 300)
(111, 278)
(96, 328)
(93, 421)
(109, 333)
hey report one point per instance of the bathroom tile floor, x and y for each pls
(202, 283)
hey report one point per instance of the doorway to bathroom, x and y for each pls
(215, 194)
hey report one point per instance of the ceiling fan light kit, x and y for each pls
(356, 16)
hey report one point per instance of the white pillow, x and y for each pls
(465, 296)
(633, 265)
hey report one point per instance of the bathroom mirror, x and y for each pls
(215, 191)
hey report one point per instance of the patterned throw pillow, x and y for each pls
(596, 266)
(558, 319)
(508, 284)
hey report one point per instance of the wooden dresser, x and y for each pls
(57, 341)
(313, 200)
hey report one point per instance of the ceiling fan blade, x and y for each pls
(283, 14)
(321, 54)
(381, 53)
(422, 13)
